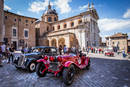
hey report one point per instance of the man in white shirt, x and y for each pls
(3, 48)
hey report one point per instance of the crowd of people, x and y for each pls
(6, 51)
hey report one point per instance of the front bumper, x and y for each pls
(19, 62)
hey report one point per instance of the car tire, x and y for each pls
(68, 75)
(31, 66)
(39, 68)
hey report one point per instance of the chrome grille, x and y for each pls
(53, 66)
(21, 60)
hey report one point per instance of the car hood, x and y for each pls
(34, 55)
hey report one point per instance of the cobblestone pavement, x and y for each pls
(102, 73)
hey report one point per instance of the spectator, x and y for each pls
(0, 57)
(22, 50)
(11, 49)
(87, 50)
(60, 49)
(65, 49)
(123, 53)
(3, 48)
(29, 49)
(8, 52)
(26, 50)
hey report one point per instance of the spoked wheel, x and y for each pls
(40, 67)
(32, 67)
(68, 75)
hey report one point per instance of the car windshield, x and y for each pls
(72, 54)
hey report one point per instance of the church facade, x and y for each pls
(79, 31)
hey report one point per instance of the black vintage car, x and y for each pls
(28, 60)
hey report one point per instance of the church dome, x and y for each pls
(50, 11)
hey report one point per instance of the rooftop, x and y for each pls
(118, 35)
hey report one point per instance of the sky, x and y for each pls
(114, 15)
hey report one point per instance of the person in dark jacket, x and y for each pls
(60, 49)
(11, 49)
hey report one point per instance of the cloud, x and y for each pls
(18, 12)
(63, 5)
(6, 7)
(127, 14)
(38, 6)
(83, 7)
(107, 24)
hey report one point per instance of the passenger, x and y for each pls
(69, 51)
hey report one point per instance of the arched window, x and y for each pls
(49, 19)
(72, 24)
(47, 28)
(58, 26)
(55, 19)
(65, 25)
(53, 28)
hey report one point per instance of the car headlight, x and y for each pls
(16, 57)
(25, 59)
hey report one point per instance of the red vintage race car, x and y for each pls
(65, 65)
(108, 53)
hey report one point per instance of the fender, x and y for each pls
(30, 60)
(43, 61)
(68, 63)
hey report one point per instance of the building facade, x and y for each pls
(118, 41)
(79, 31)
(1, 20)
(19, 30)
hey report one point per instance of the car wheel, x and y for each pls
(40, 67)
(68, 75)
(32, 67)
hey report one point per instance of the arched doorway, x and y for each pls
(73, 41)
(61, 42)
(53, 43)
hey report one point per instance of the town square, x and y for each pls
(60, 43)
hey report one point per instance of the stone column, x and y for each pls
(1, 20)
(83, 40)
